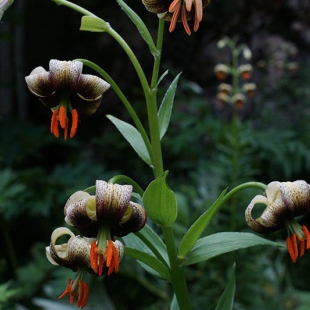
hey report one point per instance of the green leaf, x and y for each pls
(149, 260)
(160, 202)
(133, 136)
(94, 24)
(195, 231)
(145, 34)
(220, 243)
(227, 299)
(174, 304)
(165, 109)
(154, 243)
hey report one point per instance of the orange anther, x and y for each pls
(112, 261)
(176, 11)
(291, 243)
(62, 117)
(75, 120)
(184, 20)
(307, 236)
(54, 124)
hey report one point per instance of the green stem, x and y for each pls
(124, 100)
(74, 7)
(178, 280)
(152, 108)
(241, 187)
(128, 180)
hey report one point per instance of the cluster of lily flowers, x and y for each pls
(224, 94)
(284, 202)
(99, 218)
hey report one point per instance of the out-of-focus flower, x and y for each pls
(64, 89)
(245, 71)
(178, 10)
(224, 88)
(284, 201)
(292, 67)
(238, 101)
(221, 71)
(222, 100)
(247, 54)
(102, 216)
(75, 254)
(249, 89)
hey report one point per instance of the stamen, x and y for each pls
(307, 236)
(198, 10)
(67, 290)
(75, 120)
(94, 256)
(80, 298)
(54, 124)
(175, 15)
(86, 294)
(301, 246)
(189, 4)
(112, 261)
(174, 5)
(184, 21)
(62, 117)
(291, 243)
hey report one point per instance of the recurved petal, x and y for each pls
(65, 74)
(91, 87)
(80, 209)
(269, 221)
(39, 83)
(112, 201)
(133, 220)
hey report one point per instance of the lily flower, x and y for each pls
(178, 10)
(245, 71)
(103, 216)
(284, 201)
(221, 71)
(64, 89)
(75, 254)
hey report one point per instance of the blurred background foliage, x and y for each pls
(206, 149)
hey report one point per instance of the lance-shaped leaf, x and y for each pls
(145, 34)
(220, 243)
(164, 113)
(94, 24)
(227, 299)
(133, 136)
(160, 202)
(149, 260)
(198, 227)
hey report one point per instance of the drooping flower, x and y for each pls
(249, 89)
(238, 101)
(178, 10)
(224, 88)
(64, 89)
(107, 214)
(245, 71)
(75, 254)
(221, 71)
(284, 201)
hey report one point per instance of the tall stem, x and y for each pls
(178, 280)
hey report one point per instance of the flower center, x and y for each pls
(77, 286)
(298, 239)
(60, 117)
(184, 7)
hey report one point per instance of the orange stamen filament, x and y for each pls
(94, 256)
(112, 261)
(175, 7)
(83, 294)
(184, 21)
(75, 120)
(54, 124)
(307, 236)
(292, 247)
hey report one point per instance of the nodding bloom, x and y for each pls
(75, 254)
(284, 201)
(245, 71)
(249, 89)
(178, 10)
(64, 89)
(221, 71)
(103, 216)
(238, 101)
(224, 88)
